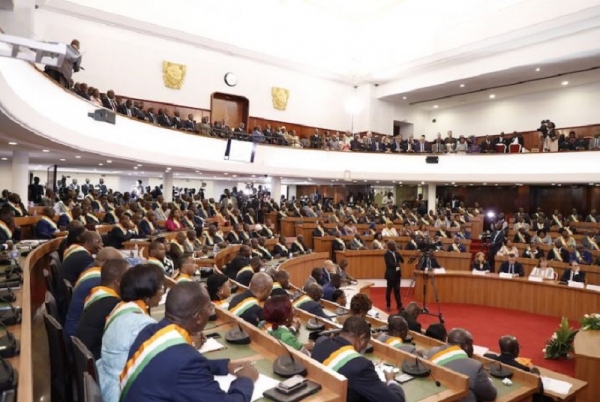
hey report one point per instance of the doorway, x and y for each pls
(404, 129)
(232, 109)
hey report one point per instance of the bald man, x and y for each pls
(89, 279)
(247, 305)
(397, 334)
(457, 356)
(509, 352)
(172, 368)
(45, 228)
(311, 301)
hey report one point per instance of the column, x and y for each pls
(20, 174)
(276, 188)
(168, 186)
(431, 197)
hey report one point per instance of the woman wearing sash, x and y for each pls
(173, 224)
(377, 243)
(142, 287)
(219, 289)
(279, 322)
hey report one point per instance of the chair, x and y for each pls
(51, 306)
(514, 149)
(54, 271)
(60, 378)
(68, 292)
(48, 281)
(500, 148)
(91, 390)
(84, 364)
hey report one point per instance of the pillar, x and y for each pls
(276, 188)
(431, 197)
(20, 174)
(168, 186)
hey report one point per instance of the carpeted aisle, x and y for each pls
(488, 324)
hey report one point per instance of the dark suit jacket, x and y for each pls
(564, 255)
(314, 308)
(390, 265)
(44, 230)
(424, 148)
(578, 277)
(115, 238)
(190, 125)
(107, 103)
(254, 314)
(164, 120)
(91, 324)
(363, 382)
(180, 373)
(517, 268)
(413, 324)
(356, 145)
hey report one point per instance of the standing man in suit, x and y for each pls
(496, 242)
(512, 266)
(71, 64)
(393, 261)
(457, 356)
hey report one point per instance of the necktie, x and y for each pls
(572, 275)
(512, 270)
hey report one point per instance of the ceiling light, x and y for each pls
(492, 96)
(62, 159)
(109, 161)
(559, 184)
(554, 184)
(234, 175)
(77, 157)
(591, 184)
(470, 184)
(253, 175)
(496, 184)
(365, 181)
(404, 97)
(225, 173)
(135, 167)
(435, 106)
(139, 165)
(4, 159)
(562, 83)
(422, 182)
(453, 182)
(462, 85)
(101, 164)
(485, 184)
(143, 172)
(45, 150)
(399, 182)
(12, 143)
(538, 69)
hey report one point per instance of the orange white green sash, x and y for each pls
(300, 246)
(93, 218)
(338, 359)
(445, 356)
(89, 273)
(97, 293)
(276, 285)
(156, 261)
(133, 307)
(169, 336)
(72, 249)
(183, 278)
(244, 305)
(50, 222)
(269, 231)
(68, 215)
(17, 208)
(301, 300)
(247, 268)
(394, 342)
(320, 229)
(222, 303)
(6, 229)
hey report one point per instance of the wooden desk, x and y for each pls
(546, 298)
(301, 267)
(587, 362)
(288, 225)
(26, 223)
(592, 272)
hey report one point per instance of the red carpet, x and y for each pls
(487, 324)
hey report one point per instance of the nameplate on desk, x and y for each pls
(534, 278)
(595, 288)
(506, 275)
(477, 272)
(439, 271)
(579, 285)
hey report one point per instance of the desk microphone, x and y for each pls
(498, 371)
(418, 369)
(287, 366)
(220, 325)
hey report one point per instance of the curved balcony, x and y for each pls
(44, 111)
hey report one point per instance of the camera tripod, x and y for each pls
(424, 265)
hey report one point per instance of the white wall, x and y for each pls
(566, 106)
(131, 64)
(5, 175)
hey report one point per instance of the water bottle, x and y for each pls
(14, 254)
(215, 248)
(136, 251)
(291, 255)
(34, 212)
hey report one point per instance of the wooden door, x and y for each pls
(231, 109)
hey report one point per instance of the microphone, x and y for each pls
(220, 325)
(287, 366)
(13, 319)
(9, 346)
(418, 369)
(237, 336)
(498, 371)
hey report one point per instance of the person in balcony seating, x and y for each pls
(71, 64)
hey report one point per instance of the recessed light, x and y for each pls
(485, 184)
(404, 97)
(45, 150)
(435, 106)
(225, 173)
(562, 83)
(101, 164)
(77, 157)
(135, 167)
(234, 175)
(591, 184)
(253, 175)
(139, 165)
(492, 96)
(4, 159)
(462, 85)
(538, 69)
(470, 184)
(12, 143)
(143, 172)
(453, 182)
(399, 182)
(422, 182)
(559, 185)
(496, 184)
(365, 181)
(554, 184)
(62, 159)
(109, 161)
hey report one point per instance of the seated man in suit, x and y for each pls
(397, 334)
(320, 230)
(245, 274)
(457, 356)
(299, 246)
(573, 273)
(311, 301)
(240, 261)
(456, 246)
(341, 354)
(45, 227)
(335, 282)
(509, 352)
(512, 266)
(280, 249)
(172, 368)
(410, 314)
(316, 276)
(248, 305)
(148, 226)
(121, 232)
(558, 252)
(281, 283)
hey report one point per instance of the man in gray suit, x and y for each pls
(72, 63)
(457, 356)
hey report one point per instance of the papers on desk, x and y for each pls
(479, 350)
(439, 271)
(573, 284)
(263, 384)
(595, 288)
(477, 272)
(373, 313)
(506, 275)
(211, 345)
(556, 386)
(535, 278)
(381, 368)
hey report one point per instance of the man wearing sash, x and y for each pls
(396, 334)
(9, 233)
(14, 202)
(342, 355)
(79, 256)
(280, 248)
(88, 280)
(266, 230)
(319, 231)
(591, 217)
(260, 247)
(101, 300)
(147, 226)
(46, 228)
(311, 301)
(185, 269)
(240, 261)
(281, 283)
(558, 252)
(299, 247)
(121, 232)
(456, 246)
(233, 237)
(245, 274)
(164, 363)
(248, 305)
(589, 242)
(566, 239)
(457, 356)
